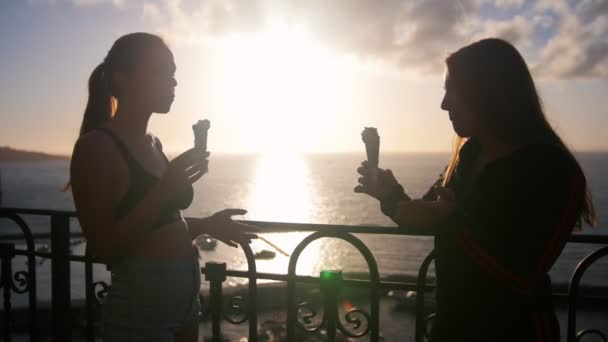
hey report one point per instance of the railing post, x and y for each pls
(421, 318)
(331, 283)
(60, 277)
(215, 273)
(7, 253)
(90, 299)
(252, 304)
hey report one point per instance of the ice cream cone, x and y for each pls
(200, 129)
(371, 139)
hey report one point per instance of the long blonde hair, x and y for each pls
(449, 171)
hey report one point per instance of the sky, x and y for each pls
(298, 75)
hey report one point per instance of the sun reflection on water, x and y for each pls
(282, 191)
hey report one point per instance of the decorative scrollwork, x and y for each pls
(353, 316)
(306, 315)
(100, 295)
(22, 282)
(585, 332)
(236, 313)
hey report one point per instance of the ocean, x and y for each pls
(305, 189)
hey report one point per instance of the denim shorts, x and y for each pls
(151, 299)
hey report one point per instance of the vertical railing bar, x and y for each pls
(331, 284)
(33, 305)
(60, 278)
(252, 302)
(90, 299)
(216, 275)
(7, 253)
(420, 287)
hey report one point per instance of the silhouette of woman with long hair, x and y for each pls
(502, 211)
(128, 196)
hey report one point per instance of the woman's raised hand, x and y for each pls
(184, 170)
(384, 185)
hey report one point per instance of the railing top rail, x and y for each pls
(32, 211)
(281, 227)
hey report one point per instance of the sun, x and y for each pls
(280, 88)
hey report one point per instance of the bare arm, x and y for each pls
(220, 225)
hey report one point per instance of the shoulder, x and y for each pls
(549, 164)
(95, 150)
(93, 144)
(547, 157)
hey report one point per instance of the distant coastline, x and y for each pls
(9, 154)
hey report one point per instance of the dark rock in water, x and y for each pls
(206, 243)
(272, 331)
(405, 300)
(265, 254)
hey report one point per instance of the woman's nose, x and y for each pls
(444, 103)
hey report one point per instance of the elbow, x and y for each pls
(98, 250)
(419, 216)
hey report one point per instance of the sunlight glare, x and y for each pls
(281, 189)
(282, 192)
(280, 77)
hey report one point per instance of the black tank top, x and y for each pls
(140, 182)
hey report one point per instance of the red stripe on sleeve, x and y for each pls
(568, 219)
(525, 285)
(538, 327)
(491, 265)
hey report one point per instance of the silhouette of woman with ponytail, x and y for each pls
(128, 197)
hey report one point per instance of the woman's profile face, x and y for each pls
(460, 114)
(152, 83)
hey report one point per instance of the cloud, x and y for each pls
(543, 21)
(579, 47)
(432, 29)
(84, 3)
(41, 2)
(589, 10)
(505, 4)
(152, 12)
(359, 26)
(410, 34)
(518, 31)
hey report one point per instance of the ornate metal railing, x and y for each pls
(301, 315)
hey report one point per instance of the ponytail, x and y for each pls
(101, 105)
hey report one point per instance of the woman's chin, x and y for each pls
(460, 132)
(163, 109)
